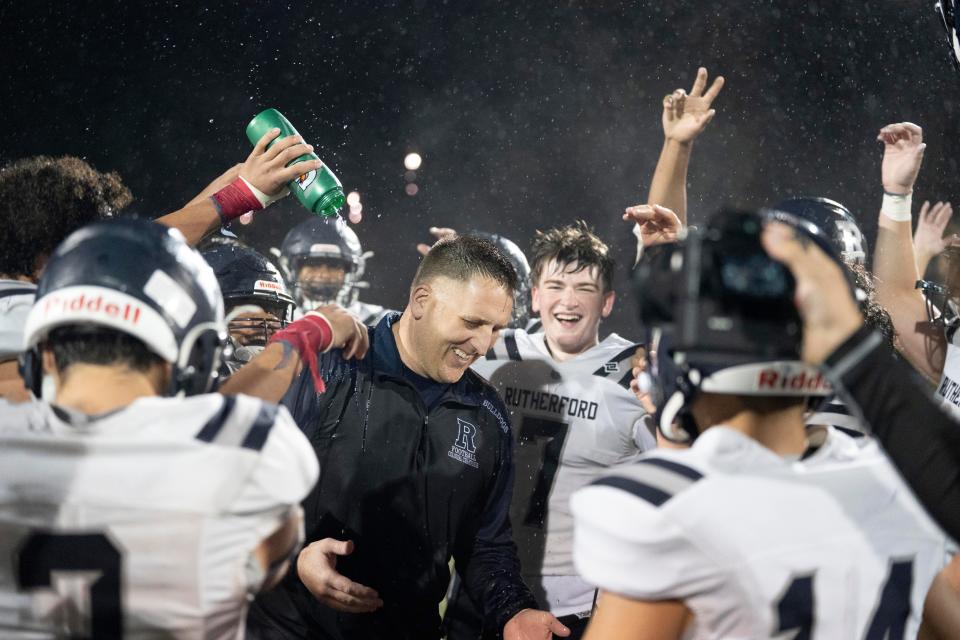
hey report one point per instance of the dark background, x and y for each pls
(527, 115)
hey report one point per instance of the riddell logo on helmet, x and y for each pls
(269, 286)
(93, 304)
(800, 381)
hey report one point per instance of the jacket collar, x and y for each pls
(385, 359)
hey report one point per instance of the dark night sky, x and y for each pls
(527, 115)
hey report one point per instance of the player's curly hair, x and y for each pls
(874, 315)
(574, 243)
(43, 200)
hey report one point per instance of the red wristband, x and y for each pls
(310, 335)
(234, 200)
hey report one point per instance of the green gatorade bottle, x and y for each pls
(318, 190)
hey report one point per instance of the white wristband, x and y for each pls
(897, 206)
(265, 200)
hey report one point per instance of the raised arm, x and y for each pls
(270, 374)
(652, 224)
(685, 116)
(265, 170)
(929, 240)
(895, 262)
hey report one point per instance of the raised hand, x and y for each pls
(641, 384)
(267, 169)
(657, 224)
(685, 116)
(928, 240)
(903, 149)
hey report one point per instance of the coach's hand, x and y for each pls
(531, 624)
(317, 567)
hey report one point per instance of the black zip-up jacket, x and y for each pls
(411, 486)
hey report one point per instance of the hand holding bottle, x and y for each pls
(315, 186)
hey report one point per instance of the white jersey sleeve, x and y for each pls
(16, 298)
(286, 470)
(949, 387)
(757, 546)
(369, 314)
(639, 553)
(167, 498)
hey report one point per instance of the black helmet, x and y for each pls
(248, 279)
(521, 297)
(833, 219)
(950, 19)
(727, 318)
(139, 278)
(323, 240)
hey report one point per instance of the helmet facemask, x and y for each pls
(320, 281)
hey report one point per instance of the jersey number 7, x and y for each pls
(555, 433)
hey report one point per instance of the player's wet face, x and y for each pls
(321, 279)
(326, 271)
(458, 323)
(254, 328)
(571, 304)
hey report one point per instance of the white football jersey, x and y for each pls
(833, 411)
(369, 314)
(573, 421)
(16, 298)
(949, 387)
(142, 521)
(761, 547)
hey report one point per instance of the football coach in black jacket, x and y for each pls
(415, 454)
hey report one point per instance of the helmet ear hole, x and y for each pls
(136, 278)
(197, 365)
(30, 366)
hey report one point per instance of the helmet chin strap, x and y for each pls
(669, 415)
